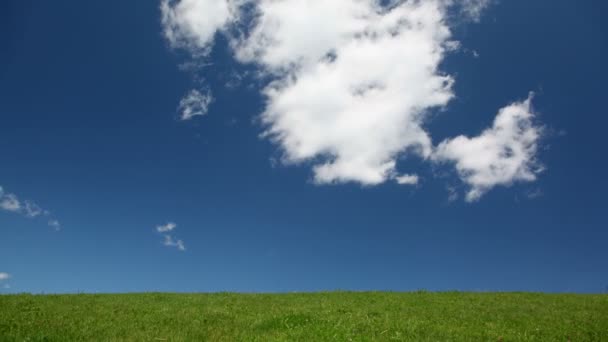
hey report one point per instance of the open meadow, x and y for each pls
(331, 316)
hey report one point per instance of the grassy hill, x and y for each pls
(334, 316)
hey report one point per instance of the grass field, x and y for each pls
(333, 316)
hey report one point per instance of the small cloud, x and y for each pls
(193, 24)
(474, 8)
(194, 104)
(166, 228)
(170, 242)
(501, 155)
(54, 224)
(236, 79)
(533, 194)
(4, 276)
(32, 209)
(452, 194)
(407, 179)
(11, 203)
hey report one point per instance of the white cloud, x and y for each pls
(194, 104)
(452, 194)
(193, 23)
(32, 209)
(54, 224)
(4, 276)
(474, 8)
(170, 242)
(533, 194)
(10, 202)
(166, 228)
(500, 155)
(353, 83)
(407, 179)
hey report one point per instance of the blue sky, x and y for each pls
(98, 155)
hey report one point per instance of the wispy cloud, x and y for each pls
(407, 179)
(32, 209)
(533, 194)
(452, 194)
(169, 240)
(3, 278)
(11, 203)
(54, 224)
(195, 103)
(166, 228)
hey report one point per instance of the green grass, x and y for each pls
(335, 316)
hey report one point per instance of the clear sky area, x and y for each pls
(275, 146)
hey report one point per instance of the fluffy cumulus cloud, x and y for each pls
(352, 81)
(354, 91)
(11, 203)
(500, 155)
(194, 23)
(168, 239)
